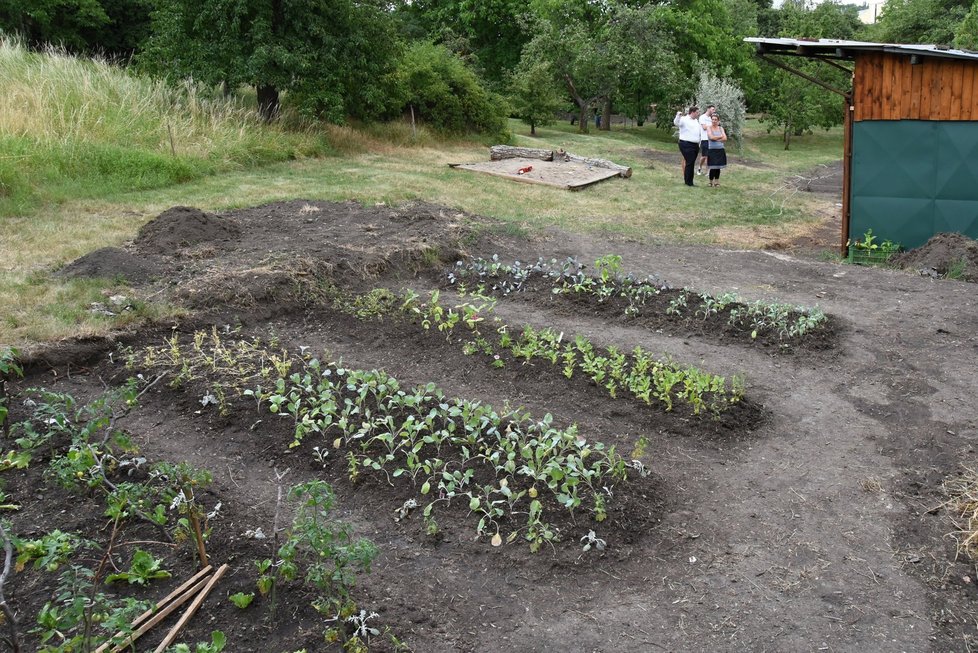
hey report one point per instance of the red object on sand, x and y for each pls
(525, 170)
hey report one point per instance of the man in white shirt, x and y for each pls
(705, 121)
(689, 140)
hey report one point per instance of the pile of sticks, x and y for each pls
(197, 588)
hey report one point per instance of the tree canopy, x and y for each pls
(336, 57)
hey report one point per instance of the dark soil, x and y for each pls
(112, 263)
(183, 226)
(809, 520)
(943, 253)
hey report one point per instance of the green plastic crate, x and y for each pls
(860, 256)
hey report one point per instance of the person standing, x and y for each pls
(689, 140)
(716, 154)
(705, 121)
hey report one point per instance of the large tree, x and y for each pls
(336, 58)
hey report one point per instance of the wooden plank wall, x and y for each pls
(887, 87)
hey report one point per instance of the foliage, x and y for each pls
(9, 368)
(534, 93)
(335, 58)
(793, 104)
(966, 33)
(648, 60)
(920, 21)
(143, 569)
(242, 600)
(641, 375)
(783, 320)
(728, 100)
(449, 449)
(446, 94)
(490, 34)
(113, 28)
(868, 250)
(319, 550)
(581, 60)
(71, 621)
(216, 645)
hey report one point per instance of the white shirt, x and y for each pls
(705, 121)
(689, 128)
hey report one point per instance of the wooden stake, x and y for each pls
(198, 533)
(157, 618)
(172, 595)
(172, 635)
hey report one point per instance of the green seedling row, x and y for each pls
(639, 374)
(509, 470)
(491, 276)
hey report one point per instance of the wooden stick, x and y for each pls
(172, 595)
(189, 612)
(195, 522)
(157, 618)
(160, 604)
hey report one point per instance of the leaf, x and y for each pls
(497, 540)
(426, 487)
(474, 503)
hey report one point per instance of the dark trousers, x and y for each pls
(689, 151)
(714, 174)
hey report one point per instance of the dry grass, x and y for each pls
(962, 504)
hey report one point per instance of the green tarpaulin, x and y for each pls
(912, 179)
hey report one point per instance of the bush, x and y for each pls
(447, 95)
(729, 101)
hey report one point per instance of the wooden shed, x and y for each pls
(910, 159)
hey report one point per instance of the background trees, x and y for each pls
(336, 57)
(374, 59)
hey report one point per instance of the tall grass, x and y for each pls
(77, 128)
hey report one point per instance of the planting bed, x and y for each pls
(799, 511)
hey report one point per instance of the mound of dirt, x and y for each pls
(943, 253)
(183, 226)
(111, 263)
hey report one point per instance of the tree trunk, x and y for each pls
(606, 115)
(500, 152)
(533, 129)
(268, 102)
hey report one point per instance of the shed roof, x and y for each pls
(838, 49)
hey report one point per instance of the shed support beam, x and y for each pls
(813, 80)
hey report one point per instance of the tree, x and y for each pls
(647, 61)
(793, 104)
(966, 34)
(336, 58)
(919, 21)
(489, 33)
(534, 93)
(113, 28)
(446, 93)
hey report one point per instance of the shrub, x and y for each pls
(446, 94)
(729, 101)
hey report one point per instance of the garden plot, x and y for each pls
(567, 175)
(520, 469)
